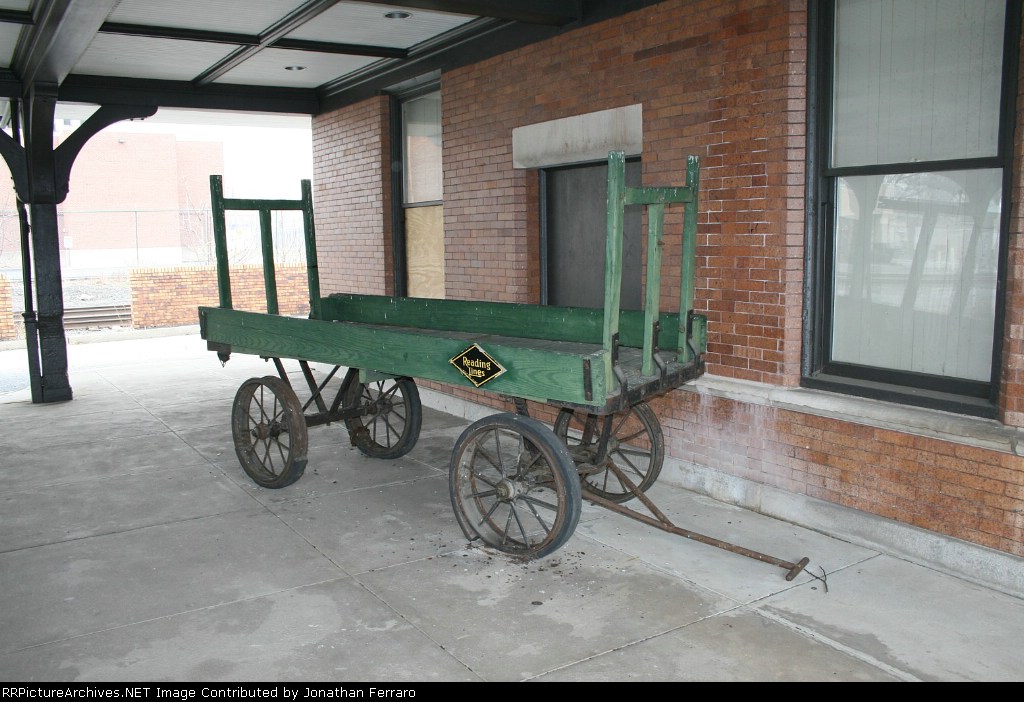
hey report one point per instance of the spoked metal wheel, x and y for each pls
(636, 450)
(514, 486)
(388, 424)
(269, 432)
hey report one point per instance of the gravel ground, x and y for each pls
(84, 292)
(78, 292)
(96, 292)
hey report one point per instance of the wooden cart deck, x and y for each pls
(563, 362)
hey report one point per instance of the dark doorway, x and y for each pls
(574, 232)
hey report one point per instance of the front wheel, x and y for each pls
(390, 415)
(514, 486)
(269, 432)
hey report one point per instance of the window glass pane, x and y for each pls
(914, 272)
(421, 126)
(916, 80)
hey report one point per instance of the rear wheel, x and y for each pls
(636, 450)
(390, 415)
(514, 486)
(269, 432)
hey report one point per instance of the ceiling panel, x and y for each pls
(8, 40)
(251, 18)
(9, 33)
(138, 57)
(365, 23)
(221, 54)
(268, 67)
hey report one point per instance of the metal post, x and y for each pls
(44, 234)
(29, 315)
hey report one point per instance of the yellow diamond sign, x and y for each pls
(477, 365)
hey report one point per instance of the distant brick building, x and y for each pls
(131, 198)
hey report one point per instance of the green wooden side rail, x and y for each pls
(220, 205)
(601, 358)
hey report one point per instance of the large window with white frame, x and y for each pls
(910, 160)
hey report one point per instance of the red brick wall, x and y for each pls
(8, 329)
(119, 173)
(966, 492)
(197, 161)
(167, 297)
(727, 84)
(352, 192)
(725, 81)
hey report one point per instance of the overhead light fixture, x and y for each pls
(398, 14)
(294, 68)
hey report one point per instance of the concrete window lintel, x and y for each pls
(579, 139)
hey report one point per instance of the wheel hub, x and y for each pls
(267, 430)
(508, 490)
(380, 406)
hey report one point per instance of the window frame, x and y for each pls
(396, 127)
(817, 369)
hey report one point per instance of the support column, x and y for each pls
(41, 179)
(38, 111)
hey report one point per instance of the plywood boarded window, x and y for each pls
(424, 251)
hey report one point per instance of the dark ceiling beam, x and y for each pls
(100, 90)
(15, 16)
(278, 31)
(61, 32)
(250, 40)
(10, 86)
(553, 13)
(327, 47)
(200, 35)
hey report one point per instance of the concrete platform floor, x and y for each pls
(134, 548)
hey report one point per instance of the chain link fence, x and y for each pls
(99, 248)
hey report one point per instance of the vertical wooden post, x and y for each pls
(689, 262)
(613, 256)
(652, 290)
(269, 275)
(220, 241)
(312, 268)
